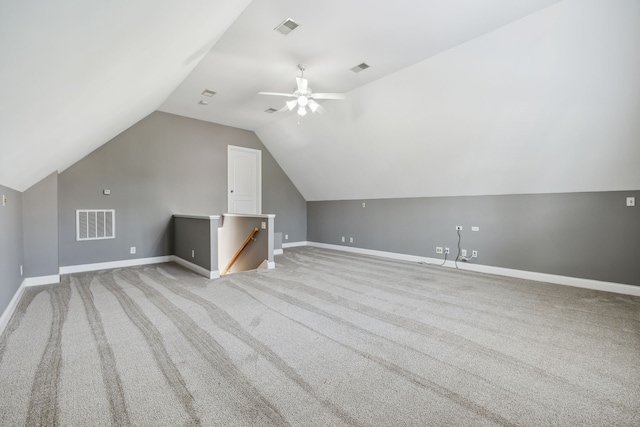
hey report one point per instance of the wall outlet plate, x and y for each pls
(446, 250)
(463, 252)
(132, 250)
(475, 228)
(263, 224)
(350, 239)
(631, 201)
(438, 249)
(4, 200)
(459, 227)
(286, 237)
(342, 239)
(474, 254)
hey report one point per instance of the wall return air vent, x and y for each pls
(95, 224)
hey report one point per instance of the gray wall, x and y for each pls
(584, 235)
(40, 222)
(197, 236)
(11, 248)
(164, 165)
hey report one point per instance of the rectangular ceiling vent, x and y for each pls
(360, 67)
(208, 93)
(270, 110)
(95, 224)
(287, 26)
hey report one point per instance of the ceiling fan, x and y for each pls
(304, 97)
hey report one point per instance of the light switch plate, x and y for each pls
(631, 201)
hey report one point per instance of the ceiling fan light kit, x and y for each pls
(304, 97)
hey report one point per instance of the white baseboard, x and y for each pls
(295, 244)
(115, 264)
(42, 280)
(196, 268)
(599, 285)
(13, 304)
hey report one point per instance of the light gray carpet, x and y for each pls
(327, 338)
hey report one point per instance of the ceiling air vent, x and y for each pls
(270, 110)
(208, 93)
(286, 27)
(203, 102)
(360, 67)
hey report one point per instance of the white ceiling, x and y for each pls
(76, 73)
(333, 36)
(462, 97)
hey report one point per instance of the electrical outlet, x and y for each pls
(263, 224)
(438, 249)
(364, 205)
(4, 200)
(350, 239)
(342, 239)
(474, 254)
(463, 252)
(193, 253)
(631, 201)
(458, 227)
(446, 250)
(475, 228)
(286, 237)
(21, 271)
(132, 250)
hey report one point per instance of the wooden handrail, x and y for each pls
(244, 245)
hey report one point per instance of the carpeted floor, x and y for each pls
(327, 338)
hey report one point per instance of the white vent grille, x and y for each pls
(95, 224)
(287, 26)
(360, 67)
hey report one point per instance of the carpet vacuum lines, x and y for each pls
(325, 338)
(222, 319)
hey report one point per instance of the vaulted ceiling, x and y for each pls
(462, 97)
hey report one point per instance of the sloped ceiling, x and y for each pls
(463, 97)
(75, 73)
(549, 103)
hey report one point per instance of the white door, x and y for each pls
(244, 180)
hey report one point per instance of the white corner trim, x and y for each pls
(196, 268)
(42, 280)
(278, 251)
(13, 304)
(577, 282)
(114, 264)
(296, 244)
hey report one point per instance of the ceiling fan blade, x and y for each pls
(292, 104)
(316, 108)
(290, 95)
(303, 84)
(328, 96)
